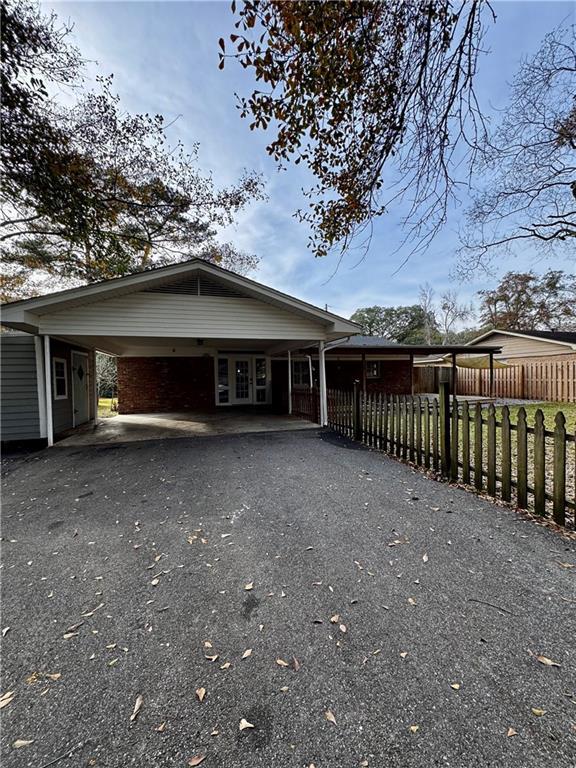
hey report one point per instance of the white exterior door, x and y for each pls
(242, 380)
(80, 402)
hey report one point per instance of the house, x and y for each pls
(187, 336)
(519, 347)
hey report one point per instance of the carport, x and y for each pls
(189, 338)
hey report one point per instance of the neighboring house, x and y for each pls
(187, 336)
(530, 346)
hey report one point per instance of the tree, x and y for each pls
(526, 301)
(92, 191)
(106, 375)
(403, 325)
(359, 90)
(450, 312)
(426, 301)
(372, 320)
(529, 168)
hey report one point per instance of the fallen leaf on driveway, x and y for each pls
(411, 601)
(329, 715)
(22, 743)
(403, 654)
(414, 728)
(6, 698)
(538, 712)
(245, 724)
(567, 565)
(247, 652)
(456, 686)
(225, 665)
(5, 631)
(295, 663)
(54, 676)
(249, 586)
(196, 760)
(200, 693)
(93, 611)
(68, 635)
(161, 728)
(335, 619)
(547, 662)
(282, 663)
(137, 707)
(211, 658)
(343, 628)
(511, 732)
(425, 557)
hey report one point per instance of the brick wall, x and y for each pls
(395, 376)
(163, 384)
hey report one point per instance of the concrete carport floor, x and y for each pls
(157, 426)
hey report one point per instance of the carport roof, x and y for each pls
(18, 314)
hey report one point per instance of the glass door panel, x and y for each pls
(242, 381)
(223, 381)
(261, 379)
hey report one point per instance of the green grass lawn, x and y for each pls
(548, 409)
(107, 407)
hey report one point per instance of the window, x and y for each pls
(373, 369)
(300, 373)
(223, 380)
(59, 378)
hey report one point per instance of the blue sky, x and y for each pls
(164, 56)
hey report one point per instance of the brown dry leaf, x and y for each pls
(5, 631)
(215, 732)
(249, 586)
(538, 712)
(295, 663)
(343, 628)
(403, 654)
(155, 582)
(567, 565)
(511, 732)
(547, 662)
(225, 665)
(161, 728)
(329, 715)
(425, 557)
(456, 686)
(211, 658)
(207, 644)
(284, 688)
(414, 728)
(6, 698)
(282, 663)
(247, 653)
(411, 601)
(137, 707)
(93, 611)
(200, 693)
(22, 743)
(197, 759)
(55, 676)
(245, 724)
(335, 619)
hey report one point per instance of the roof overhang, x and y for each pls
(517, 335)
(23, 315)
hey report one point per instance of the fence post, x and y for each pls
(559, 490)
(539, 464)
(356, 421)
(444, 428)
(506, 455)
(454, 442)
(522, 460)
(478, 450)
(491, 458)
(466, 442)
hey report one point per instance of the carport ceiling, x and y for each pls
(134, 346)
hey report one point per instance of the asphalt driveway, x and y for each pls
(354, 612)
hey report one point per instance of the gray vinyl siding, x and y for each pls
(20, 417)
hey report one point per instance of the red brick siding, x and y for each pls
(395, 376)
(163, 384)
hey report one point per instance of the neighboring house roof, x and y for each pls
(176, 279)
(381, 345)
(566, 338)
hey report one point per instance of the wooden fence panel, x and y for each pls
(547, 381)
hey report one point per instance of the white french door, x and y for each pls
(242, 380)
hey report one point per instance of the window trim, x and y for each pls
(377, 374)
(54, 389)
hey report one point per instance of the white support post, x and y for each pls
(94, 388)
(289, 382)
(323, 393)
(48, 391)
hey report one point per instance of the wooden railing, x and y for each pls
(306, 403)
(528, 465)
